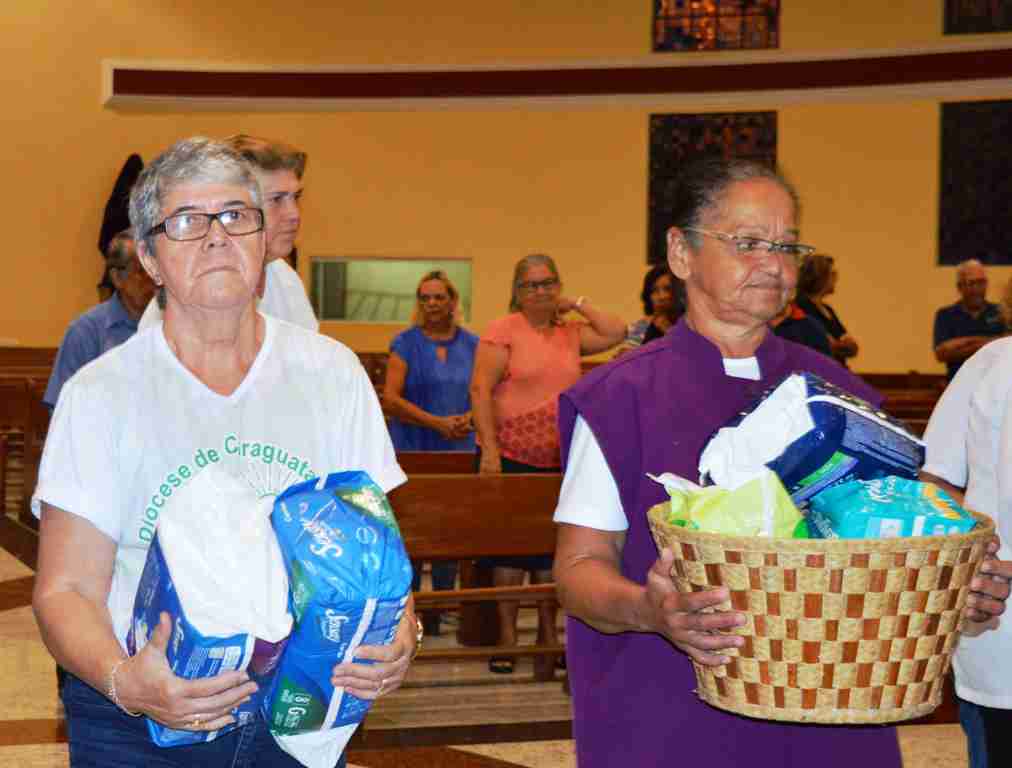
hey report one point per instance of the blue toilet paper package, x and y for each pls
(814, 436)
(350, 580)
(192, 654)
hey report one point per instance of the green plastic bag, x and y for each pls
(758, 507)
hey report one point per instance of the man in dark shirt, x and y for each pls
(794, 324)
(964, 327)
(110, 323)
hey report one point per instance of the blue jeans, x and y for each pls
(976, 738)
(102, 736)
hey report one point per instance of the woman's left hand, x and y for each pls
(370, 681)
(989, 591)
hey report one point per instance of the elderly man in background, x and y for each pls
(108, 324)
(966, 326)
(279, 169)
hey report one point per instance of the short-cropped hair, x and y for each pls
(190, 161)
(267, 154)
(119, 254)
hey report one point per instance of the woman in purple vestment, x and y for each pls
(733, 241)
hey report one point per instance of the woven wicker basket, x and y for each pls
(837, 631)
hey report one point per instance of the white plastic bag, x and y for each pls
(224, 557)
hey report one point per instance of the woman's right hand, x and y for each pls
(680, 618)
(145, 683)
(490, 464)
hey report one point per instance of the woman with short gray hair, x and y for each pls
(215, 374)
(277, 169)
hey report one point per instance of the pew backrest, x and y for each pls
(436, 462)
(466, 516)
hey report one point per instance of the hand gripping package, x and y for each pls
(214, 566)
(350, 580)
(813, 435)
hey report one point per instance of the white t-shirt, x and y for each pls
(284, 298)
(983, 664)
(589, 495)
(135, 424)
(945, 436)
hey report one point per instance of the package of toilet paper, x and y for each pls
(813, 435)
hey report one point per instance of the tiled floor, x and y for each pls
(447, 696)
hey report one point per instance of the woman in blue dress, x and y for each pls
(429, 373)
(426, 394)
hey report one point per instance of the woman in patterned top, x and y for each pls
(524, 361)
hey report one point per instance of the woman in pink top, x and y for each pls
(524, 361)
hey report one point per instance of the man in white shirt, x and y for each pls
(279, 169)
(967, 444)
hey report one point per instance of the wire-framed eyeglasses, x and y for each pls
(745, 244)
(531, 286)
(194, 225)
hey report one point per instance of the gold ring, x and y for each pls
(196, 721)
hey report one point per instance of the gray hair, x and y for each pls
(702, 184)
(966, 266)
(119, 255)
(520, 272)
(193, 160)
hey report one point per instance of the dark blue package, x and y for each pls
(350, 580)
(192, 654)
(813, 435)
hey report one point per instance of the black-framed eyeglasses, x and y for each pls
(539, 285)
(746, 245)
(194, 225)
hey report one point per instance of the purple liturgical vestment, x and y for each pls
(653, 410)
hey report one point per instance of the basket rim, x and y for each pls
(985, 529)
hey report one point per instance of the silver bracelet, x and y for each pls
(111, 691)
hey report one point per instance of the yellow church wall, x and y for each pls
(482, 183)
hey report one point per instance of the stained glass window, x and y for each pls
(674, 139)
(976, 183)
(715, 25)
(968, 17)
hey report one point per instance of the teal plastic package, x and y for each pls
(350, 580)
(885, 508)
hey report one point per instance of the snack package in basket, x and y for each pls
(350, 579)
(757, 507)
(813, 435)
(214, 566)
(886, 508)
